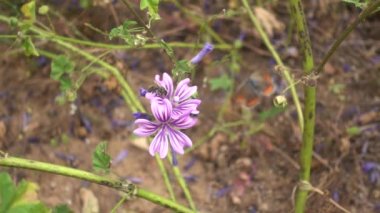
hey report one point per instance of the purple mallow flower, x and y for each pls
(207, 48)
(167, 128)
(180, 98)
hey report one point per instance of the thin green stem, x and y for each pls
(278, 60)
(128, 188)
(123, 47)
(182, 182)
(118, 204)
(364, 14)
(306, 154)
(166, 177)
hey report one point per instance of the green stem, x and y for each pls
(128, 188)
(118, 204)
(166, 177)
(364, 14)
(123, 47)
(278, 60)
(127, 92)
(182, 183)
(310, 99)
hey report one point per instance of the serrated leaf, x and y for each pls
(101, 161)
(65, 83)
(223, 82)
(59, 66)
(29, 10)
(19, 199)
(181, 68)
(63, 208)
(152, 6)
(28, 46)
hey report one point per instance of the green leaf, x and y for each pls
(152, 6)
(21, 198)
(353, 131)
(129, 33)
(85, 3)
(63, 208)
(59, 66)
(357, 3)
(101, 161)
(272, 112)
(29, 10)
(65, 83)
(181, 68)
(223, 82)
(28, 46)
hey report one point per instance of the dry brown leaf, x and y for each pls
(269, 21)
(3, 130)
(89, 201)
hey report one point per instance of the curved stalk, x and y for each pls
(278, 60)
(364, 14)
(128, 188)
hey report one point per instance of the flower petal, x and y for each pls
(166, 82)
(183, 91)
(161, 109)
(178, 136)
(183, 122)
(150, 95)
(185, 107)
(175, 141)
(159, 144)
(145, 128)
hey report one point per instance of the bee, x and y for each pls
(159, 91)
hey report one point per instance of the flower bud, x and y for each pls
(280, 101)
(43, 10)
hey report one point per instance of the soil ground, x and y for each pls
(233, 170)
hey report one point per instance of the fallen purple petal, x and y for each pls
(369, 166)
(190, 178)
(222, 192)
(120, 123)
(86, 123)
(374, 176)
(335, 196)
(33, 140)
(190, 164)
(120, 157)
(66, 157)
(135, 180)
(346, 68)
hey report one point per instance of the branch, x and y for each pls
(126, 187)
(364, 14)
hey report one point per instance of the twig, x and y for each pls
(128, 188)
(364, 14)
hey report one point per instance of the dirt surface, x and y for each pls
(243, 168)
